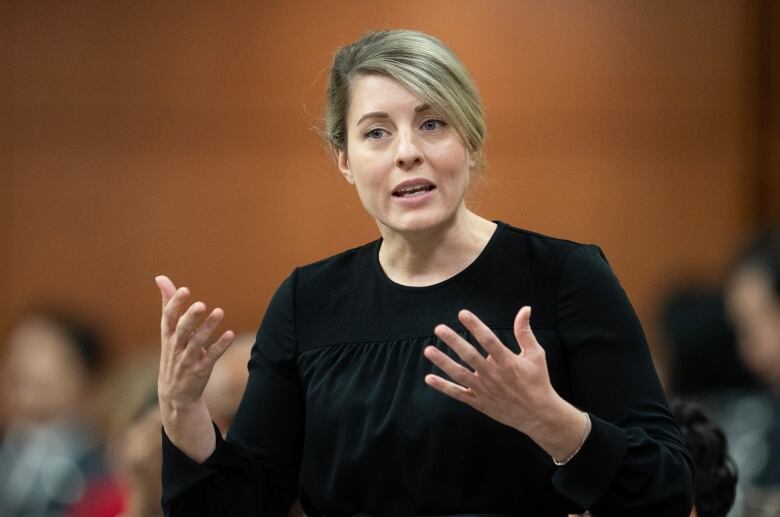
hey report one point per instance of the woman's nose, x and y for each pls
(408, 153)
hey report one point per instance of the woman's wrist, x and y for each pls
(561, 430)
(174, 410)
(586, 432)
(190, 430)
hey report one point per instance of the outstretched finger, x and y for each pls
(451, 389)
(167, 288)
(455, 371)
(463, 348)
(201, 336)
(485, 336)
(189, 323)
(173, 309)
(215, 351)
(523, 333)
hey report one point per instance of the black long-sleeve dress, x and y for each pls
(337, 411)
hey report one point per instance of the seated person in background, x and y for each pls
(227, 382)
(716, 476)
(132, 414)
(142, 459)
(702, 350)
(753, 302)
(130, 425)
(47, 454)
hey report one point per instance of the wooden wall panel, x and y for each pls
(6, 89)
(151, 137)
(770, 87)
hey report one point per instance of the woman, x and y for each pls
(752, 294)
(49, 453)
(372, 390)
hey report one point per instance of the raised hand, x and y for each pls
(187, 358)
(511, 388)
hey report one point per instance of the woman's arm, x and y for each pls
(634, 461)
(626, 457)
(254, 471)
(187, 357)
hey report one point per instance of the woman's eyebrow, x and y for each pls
(372, 114)
(382, 114)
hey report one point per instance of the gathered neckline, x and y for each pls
(381, 272)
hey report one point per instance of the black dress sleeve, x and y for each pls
(634, 462)
(255, 471)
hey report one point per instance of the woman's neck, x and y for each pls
(428, 257)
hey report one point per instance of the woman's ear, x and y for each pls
(343, 160)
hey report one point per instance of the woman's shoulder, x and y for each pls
(535, 246)
(335, 268)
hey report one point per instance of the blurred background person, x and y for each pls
(131, 423)
(753, 301)
(142, 461)
(703, 362)
(127, 406)
(227, 382)
(725, 354)
(48, 452)
(704, 366)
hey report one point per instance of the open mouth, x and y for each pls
(413, 191)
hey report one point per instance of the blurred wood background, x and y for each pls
(143, 137)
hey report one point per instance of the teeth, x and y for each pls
(409, 191)
(412, 190)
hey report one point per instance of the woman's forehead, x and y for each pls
(381, 94)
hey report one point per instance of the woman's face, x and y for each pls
(43, 377)
(755, 312)
(410, 167)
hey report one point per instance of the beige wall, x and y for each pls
(148, 137)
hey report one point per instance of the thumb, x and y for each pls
(525, 337)
(167, 289)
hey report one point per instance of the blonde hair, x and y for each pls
(423, 65)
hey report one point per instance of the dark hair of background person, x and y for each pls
(716, 473)
(702, 344)
(85, 339)
(762, 253)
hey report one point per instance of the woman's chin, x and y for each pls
(413, 223)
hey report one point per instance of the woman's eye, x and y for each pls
(375, 134)
(432, 124)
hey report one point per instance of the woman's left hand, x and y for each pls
(511, 388)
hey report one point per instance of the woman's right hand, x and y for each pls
(187, 358)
